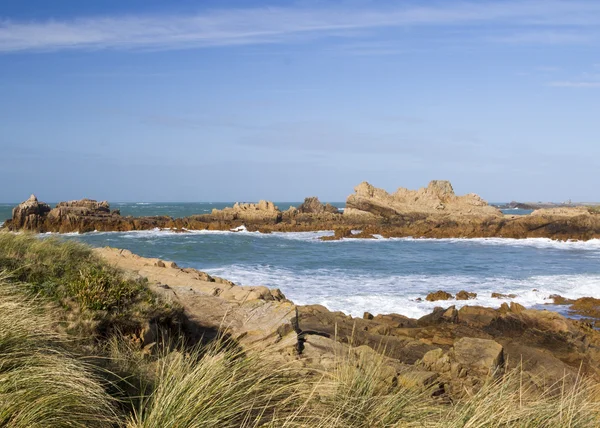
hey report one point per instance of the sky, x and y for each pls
(149, 100)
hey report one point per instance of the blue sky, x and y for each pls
(222, 101)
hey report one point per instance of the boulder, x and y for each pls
(560, 300)
(477, 356)
(503, 296)
(439, 295)
(465, 295)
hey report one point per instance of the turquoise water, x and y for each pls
(379, 276)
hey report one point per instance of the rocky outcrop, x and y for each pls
(437, 198)
(262, 212)
(465, 295)
(312, 205)
(28, 214)
(439, 295)
(83, 215)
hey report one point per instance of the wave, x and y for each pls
(354, 294)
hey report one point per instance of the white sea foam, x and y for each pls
(540, 243)
(354, 294)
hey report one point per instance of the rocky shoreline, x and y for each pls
(452, 350)
(431, 212)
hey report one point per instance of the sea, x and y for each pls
(356, 276)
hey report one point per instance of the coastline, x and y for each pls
(257, 318)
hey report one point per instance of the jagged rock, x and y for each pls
(465, 295)
(439, 295)
(312, 205)
(29, 214)
(438, 197)
(560, 300)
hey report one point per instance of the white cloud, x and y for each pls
(546, 38)
(277, 25)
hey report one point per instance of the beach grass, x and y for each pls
(41, 384)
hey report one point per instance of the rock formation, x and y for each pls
(312, 205)
(27, 215)
(437, 198)
(433, 212)
(263, 211)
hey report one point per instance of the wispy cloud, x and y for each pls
(575, 84)
(584, 79)
(542, 37)
(277, 25)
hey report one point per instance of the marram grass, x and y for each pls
(217, 386)
(41, 385)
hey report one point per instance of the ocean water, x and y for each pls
(380, 275)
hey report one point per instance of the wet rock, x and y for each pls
(438, 295)
(587, 306)
(560, 300)
(465, 295)
(339, 233)
(503, 296)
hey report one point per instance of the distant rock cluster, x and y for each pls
(433, 212)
